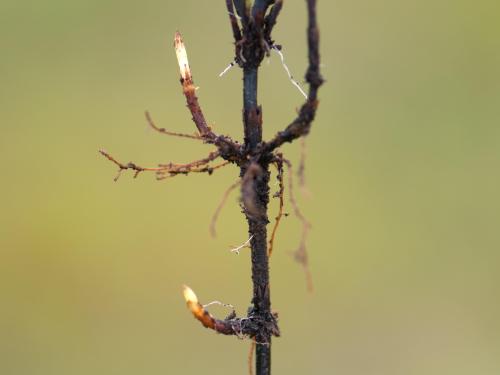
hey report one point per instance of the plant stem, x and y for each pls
(252, 118)
(252, 121)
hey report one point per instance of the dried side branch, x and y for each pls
(122, 167)
(302, 123)
(222, 202)
(182, 167)
(279, 194)
(171, 169)
(209, 169)
(197, 166)
(300, 255)
(166, 132)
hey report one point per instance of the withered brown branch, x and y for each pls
(302, 123)
(222, 202)
(181, 167)
(138, 169)
(279, 194)
(170, 169)
(166, 132)
(209, 169)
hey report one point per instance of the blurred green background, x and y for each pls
(403, 165)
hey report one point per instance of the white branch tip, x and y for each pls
(189, 295)
(182, 59)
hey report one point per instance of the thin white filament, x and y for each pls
(290, 76)
(233, 63)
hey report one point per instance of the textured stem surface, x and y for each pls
(257, 219)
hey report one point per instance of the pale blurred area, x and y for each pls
(403, 165)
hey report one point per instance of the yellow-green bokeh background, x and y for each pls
(403, 166)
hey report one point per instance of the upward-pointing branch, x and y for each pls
(302, 123)
(229, 149)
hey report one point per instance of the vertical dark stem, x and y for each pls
(252, 116)
(260, 273)
(257, 221)
(250, 88)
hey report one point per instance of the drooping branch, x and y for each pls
(170, 169)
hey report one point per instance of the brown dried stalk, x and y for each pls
(171, 169)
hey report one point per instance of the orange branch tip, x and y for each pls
(196, 308)
(230, 326)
